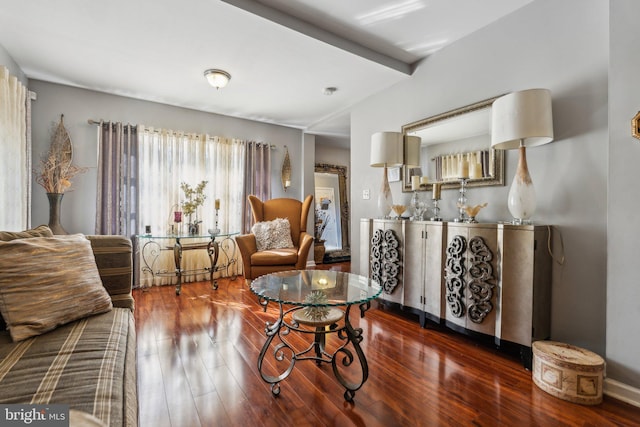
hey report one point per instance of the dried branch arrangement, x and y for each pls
(195, 197)
(56, 169)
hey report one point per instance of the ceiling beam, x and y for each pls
(313, 31)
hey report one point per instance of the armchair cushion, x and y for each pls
(282, 256)
(274, 234)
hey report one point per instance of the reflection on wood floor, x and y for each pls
(197, 356)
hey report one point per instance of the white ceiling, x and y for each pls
(281, 53)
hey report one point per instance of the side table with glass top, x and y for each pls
(213, 244)
(317, 303)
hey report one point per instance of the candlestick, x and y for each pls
(472, 170)
(415, 182)
(216, 230)
(464, 169)
(415, 203)
(436, 191)
(462, 202)
(478, 174)
(436, 211)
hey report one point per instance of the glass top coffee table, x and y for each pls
(317, 303)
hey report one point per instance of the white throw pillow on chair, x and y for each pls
(274, 234)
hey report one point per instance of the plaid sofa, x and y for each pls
(89, 363)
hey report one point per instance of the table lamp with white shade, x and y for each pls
(520, 120)
(386, 151)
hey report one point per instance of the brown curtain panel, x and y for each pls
(117, 207)
(257, 178)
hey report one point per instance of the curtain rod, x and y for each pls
(97, 122)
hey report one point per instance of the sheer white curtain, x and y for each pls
(15, 153)
(166, 159)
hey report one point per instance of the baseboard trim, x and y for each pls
(622, 391)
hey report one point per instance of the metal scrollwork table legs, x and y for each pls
(213, 250)
(151, 252)
(285, 355)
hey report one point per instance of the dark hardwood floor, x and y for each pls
(197, 356)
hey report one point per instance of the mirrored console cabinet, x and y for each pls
(490, 281)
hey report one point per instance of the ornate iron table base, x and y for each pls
(341, 359)
(213, 250)
(152, 248)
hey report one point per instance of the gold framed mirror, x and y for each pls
(449, 138)
(330, 179)
(635, 126)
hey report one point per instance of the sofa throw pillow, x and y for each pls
(5, 236)
(46, 282)
(274, 234)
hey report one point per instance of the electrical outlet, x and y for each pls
(365, 194)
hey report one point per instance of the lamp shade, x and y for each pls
(522, 116)
(412, 151)
(386, 149)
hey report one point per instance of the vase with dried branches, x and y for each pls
(55, 173)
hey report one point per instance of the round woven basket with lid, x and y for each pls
(568, 372)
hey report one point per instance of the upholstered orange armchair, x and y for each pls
(255, 262)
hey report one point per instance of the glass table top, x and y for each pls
(301, 287)
(186, 236)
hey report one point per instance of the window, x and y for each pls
(167, 158)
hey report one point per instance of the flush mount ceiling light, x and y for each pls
(217, 78)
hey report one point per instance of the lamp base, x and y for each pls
(385, 199)
(522, 195)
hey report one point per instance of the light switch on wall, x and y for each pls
(365, 194)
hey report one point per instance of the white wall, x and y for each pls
(623, 289)
(333, 155)
(14, 69)
(561, 45)
(79, 105)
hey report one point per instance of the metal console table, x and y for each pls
(154, 245)
(317, 303)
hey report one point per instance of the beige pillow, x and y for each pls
(46, 282)
(274, 234)
(39, 231)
